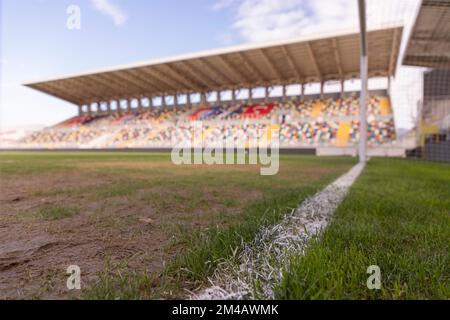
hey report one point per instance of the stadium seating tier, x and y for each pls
(318, 122)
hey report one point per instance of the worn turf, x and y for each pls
(138, 226)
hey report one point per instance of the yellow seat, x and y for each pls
(343, 134)
(317, 109)
(385, 107)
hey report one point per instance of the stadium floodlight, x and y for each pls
(363, 74)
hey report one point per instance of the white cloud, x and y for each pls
(263, 20)
(113, 11)
(260, 20)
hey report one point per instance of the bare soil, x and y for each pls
(132, 229)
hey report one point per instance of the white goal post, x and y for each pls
(362, 150)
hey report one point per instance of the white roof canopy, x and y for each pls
(334, 57)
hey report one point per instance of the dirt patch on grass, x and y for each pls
(135, 214)
(51, 221)
(166, 166)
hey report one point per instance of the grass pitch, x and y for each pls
(397, 216)
(140, 227)
(137, 225)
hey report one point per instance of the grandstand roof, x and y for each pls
(301, 60)
(429, 45)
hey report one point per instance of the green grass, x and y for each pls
(204, 249)
(56, 213)
(397, 216)
(205, 212)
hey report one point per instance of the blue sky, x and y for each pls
(35, 42)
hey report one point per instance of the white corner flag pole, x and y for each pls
(362, 150)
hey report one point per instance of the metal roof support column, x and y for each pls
(150, 102)
(163, 101)
(266, 94)
(233, 96)
(322, 84)
(89, 110)
(108, 107)
(80, 110)
(389, 86)
(219, 97)
(284, 92)
(128, 104)
(188, 100)
(119, 106)
(250, 95)
(302, 96)
(203, 98)
(175, 100)
(342, 88)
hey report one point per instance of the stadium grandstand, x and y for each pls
(429, 47)
(117, 109)
(164, 182)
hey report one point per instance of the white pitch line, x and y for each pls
(263, 260)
